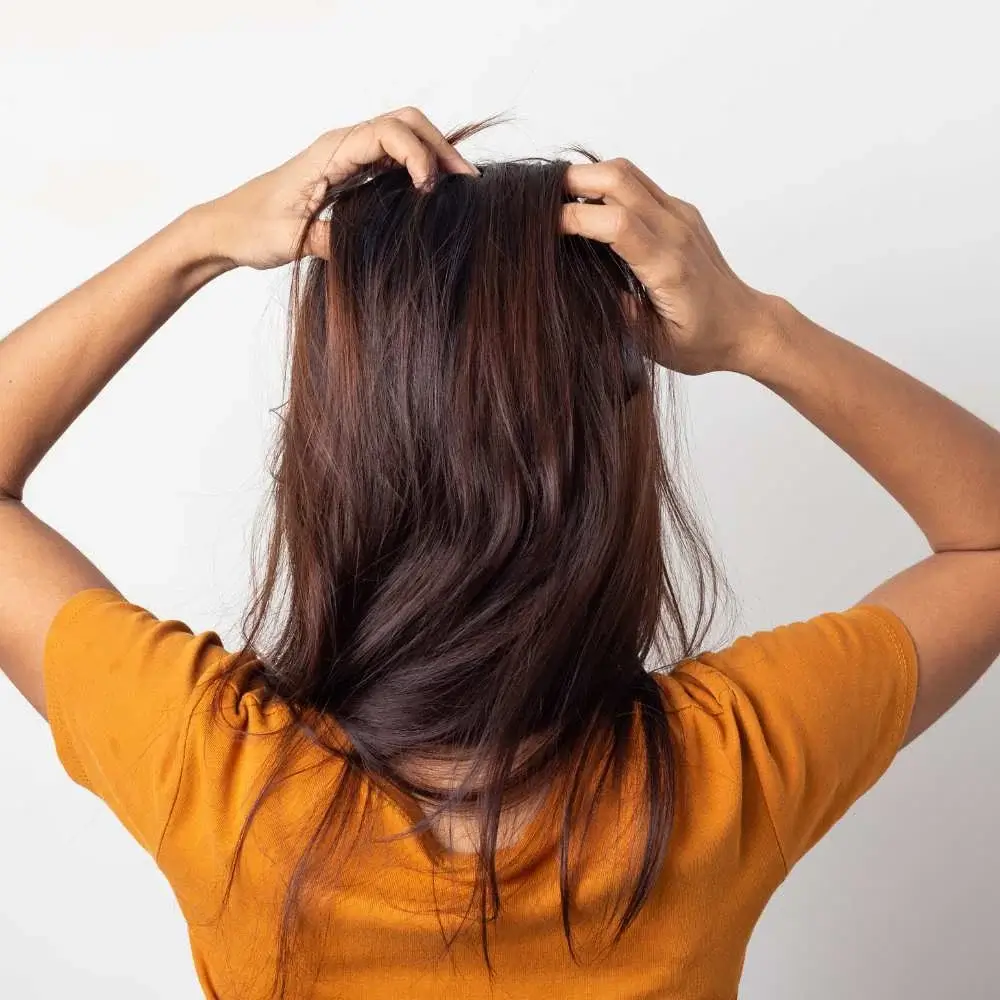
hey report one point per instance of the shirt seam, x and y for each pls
(184, 753)
(760, 785)
(177, 789)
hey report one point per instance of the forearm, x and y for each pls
(52, 366)
(938, 460)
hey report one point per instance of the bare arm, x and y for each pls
(941, 463)
(53, 366)
(57, 362)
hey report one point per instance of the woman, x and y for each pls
(469, 503)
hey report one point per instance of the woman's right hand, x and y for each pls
(259, 223)
(713, 320)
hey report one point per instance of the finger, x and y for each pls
(676, 206)
(623, 231)
(620, 181)
(317, 243)
(661, 196)
(614, 184)
(670, 202)
(431, 134)
(653, 262)
(395, 139)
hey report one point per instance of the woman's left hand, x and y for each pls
(260, 223)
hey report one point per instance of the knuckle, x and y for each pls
(620, 222)
(620, 170)
(408, 113)
(331, 136)
(690, 213)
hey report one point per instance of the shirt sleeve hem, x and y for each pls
(906, 657)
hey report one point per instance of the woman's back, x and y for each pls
(776, 735)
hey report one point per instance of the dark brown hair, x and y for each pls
(480, 531)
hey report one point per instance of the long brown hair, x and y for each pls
(480, 533)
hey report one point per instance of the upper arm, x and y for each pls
(950, 603)
(39, 571)
(130, 704)
(120, 687)
(819, 709)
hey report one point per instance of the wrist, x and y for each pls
(766, 337)
(201, 232)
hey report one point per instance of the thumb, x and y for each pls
(317, 242)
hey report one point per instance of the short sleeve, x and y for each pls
(121, 688)
(822, 707)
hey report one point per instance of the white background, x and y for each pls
(846, 156)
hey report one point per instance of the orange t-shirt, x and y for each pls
(776, 737)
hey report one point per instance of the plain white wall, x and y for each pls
(846, 157)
